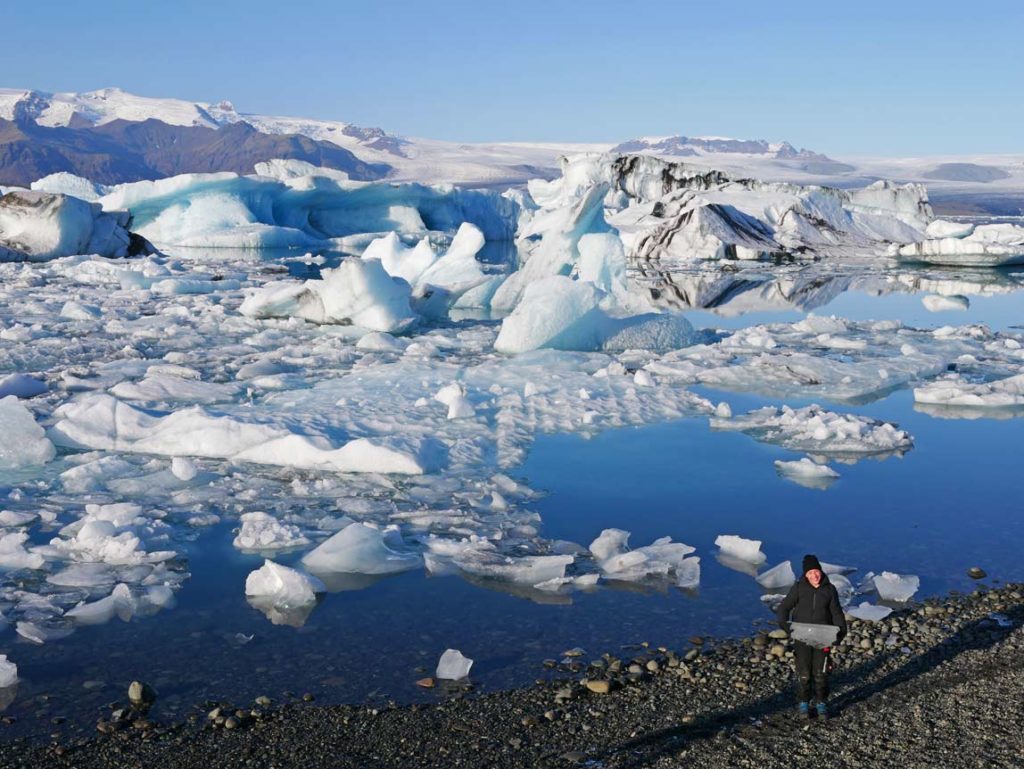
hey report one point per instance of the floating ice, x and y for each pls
(777, 577)
(119, 603)
(898, 588)
(746, 550)
(522, 570)
(985, 245)
(13, 554)
(816, 430)
(262, 532)
(938, 303)
(285, 587)
(453, 666)
(37, 226)
(359, 549)
(661, 558)
(8, 672)
(358, 292)
(24, 442)
(869, 612)
(807, 473)
(103, 422)
(954, 390)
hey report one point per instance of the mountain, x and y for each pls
(718, 146)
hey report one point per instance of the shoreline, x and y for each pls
(939, 681)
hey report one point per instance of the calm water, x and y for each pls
(950, 503)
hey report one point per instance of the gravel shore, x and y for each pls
(941, 683)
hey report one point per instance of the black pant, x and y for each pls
(810, 666)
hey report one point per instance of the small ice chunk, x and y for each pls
(24, 442)
(453, 666)
(119, 603)
(777, 577)
(643, 378)
(609, 543)
(748, 550)
(359, 549)
(286, 587)
(13, 554)
(869, 612)
(8, 672)
(79, 311)
(261, 531)
(723, 410)
(688, 573)
(380, 341)
(183, 469)
(807, 473)
(898, 588)
(939, 303)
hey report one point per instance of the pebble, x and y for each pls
(426, 683)
(140, 694)
(599, 687)
(778, 634)
(976, 572)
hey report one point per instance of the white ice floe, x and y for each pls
(984, 245)
(262, 532)
(662, 558)
(285, 587)
(14, 555)
(24, 442)
(358, 292)
(159, 387)
(807, 472)
(819, 431)
(103, 422)
(453, 666)
(898, 588)
(359, 549)
(120, 603)
(746, 550)
(8, 672)
(777, 577)
(36, 226)
(955, 390)
(940, 303)
(869, 612)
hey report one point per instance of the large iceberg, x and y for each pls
(36, 226)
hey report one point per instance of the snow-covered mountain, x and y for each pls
(85, 134)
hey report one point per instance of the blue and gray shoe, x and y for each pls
(822, 711)
(804, 709)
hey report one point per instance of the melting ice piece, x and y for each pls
(454, 397)
(522, 570)
(818, 431)
(13, 554)
(119, 603)
(898, 588)
(956, 391)
(688, 573)
(869, 612)
(818, 636)
(43, 631)
(359, 549)
(453, 666)
(777, 577)
(287, 588)
(746, 550)
(261, 531)
(940, 303)
(807, 473)
(24, 442)
(659, 559)
(8, 672)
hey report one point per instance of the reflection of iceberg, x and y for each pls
(281, 615)
(807, 473)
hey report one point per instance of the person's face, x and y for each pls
(814, 577)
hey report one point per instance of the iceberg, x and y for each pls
(359, 549)
(358, 292)
(983, 245)
(453, 666)
(25, 443)
(38, 226)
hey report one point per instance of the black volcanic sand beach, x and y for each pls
(939, 683)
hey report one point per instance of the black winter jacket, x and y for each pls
(819, 606)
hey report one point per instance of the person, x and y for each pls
(815, 600)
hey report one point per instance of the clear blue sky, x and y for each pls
(860, 77)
